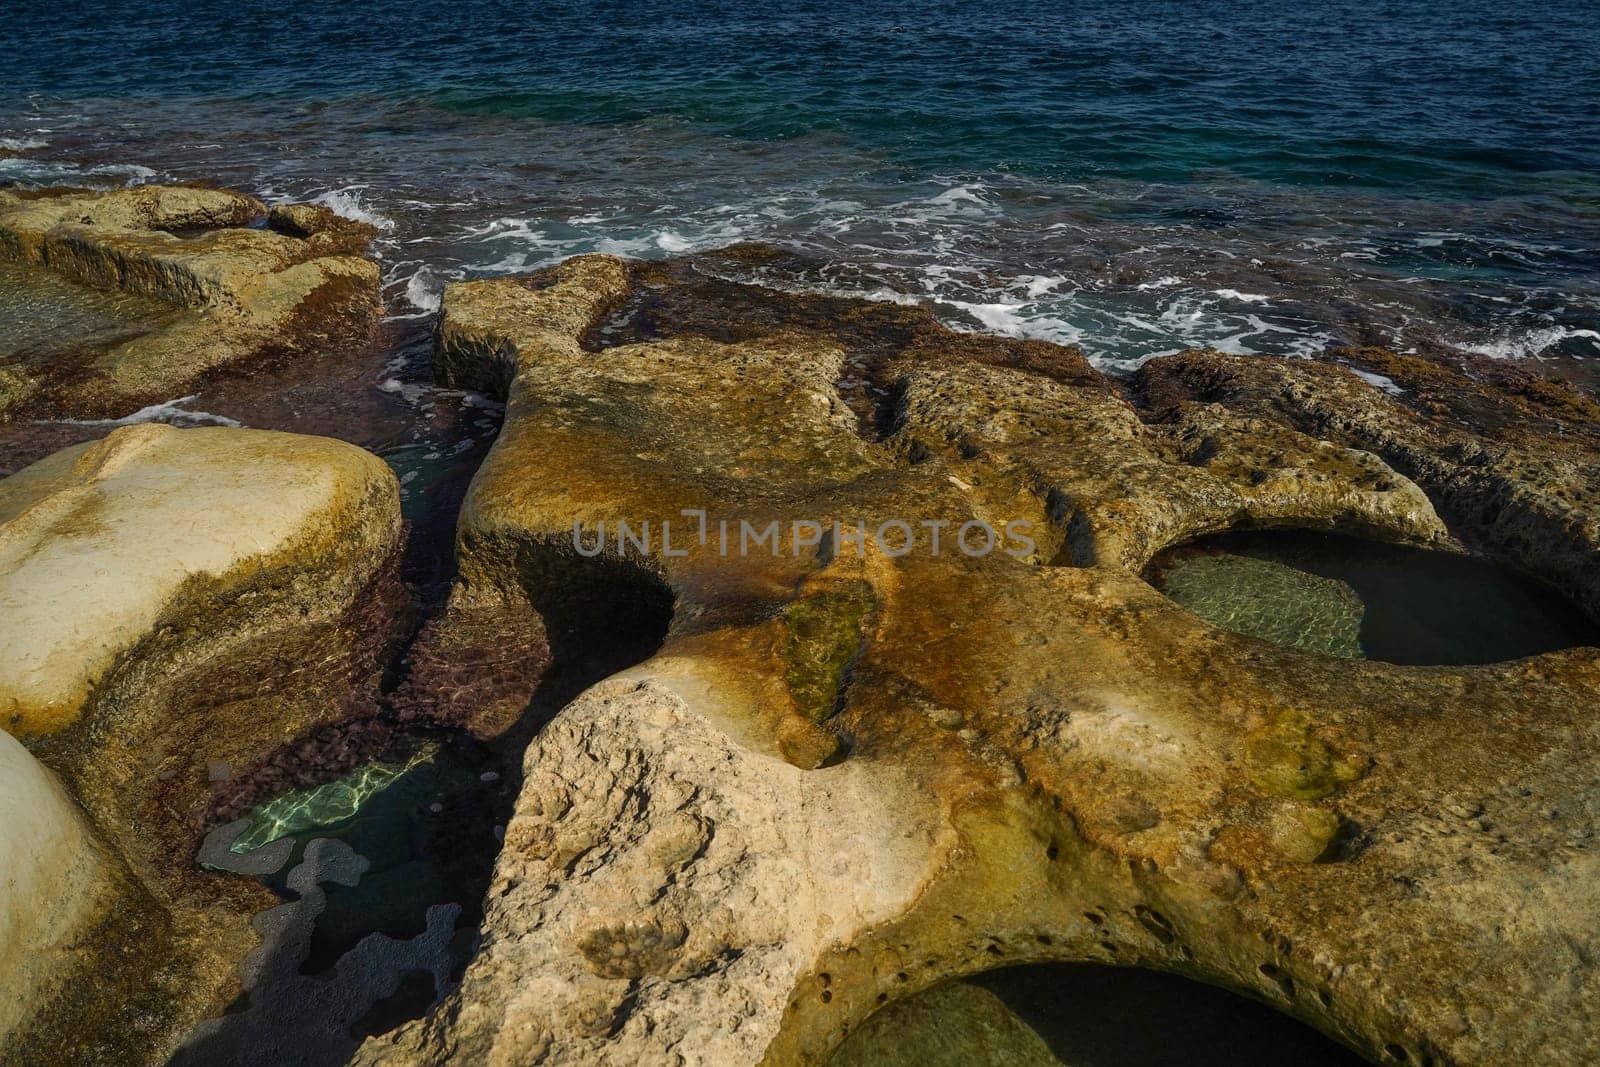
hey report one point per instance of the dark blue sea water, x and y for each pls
(1134, 177)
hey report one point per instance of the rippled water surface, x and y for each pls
(1259, 177)
(41, 313)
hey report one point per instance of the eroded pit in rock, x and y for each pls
(1359, 599)
(1085, 1015)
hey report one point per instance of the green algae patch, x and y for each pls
(823, 636)
(1286, 760)
(1305, 834)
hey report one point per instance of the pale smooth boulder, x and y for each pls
(171, 601)
(104, 544)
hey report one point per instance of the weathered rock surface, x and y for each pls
(175, 607)
(103, 546)
(1512, 463)
(204, 289)
(852, 772)
(57, 886)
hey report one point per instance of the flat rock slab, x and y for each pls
(152, 288)
(853, 771)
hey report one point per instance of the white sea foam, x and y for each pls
(51, 172)
(543, 243)
(1386, 384)
(672, 241)
(423, 291)
(953, 247)
(624, 246)
(999, 317)
(131, 170)
(1526, 344)
(422, 394)
(170, 411)
(1039, 285)
(504, 229)
(348, 202)
(961, 194)
(21, 144)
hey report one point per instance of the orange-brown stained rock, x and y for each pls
(1035, 756)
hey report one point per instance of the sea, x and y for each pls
(1134, 178)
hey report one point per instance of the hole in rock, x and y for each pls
(383, 870)
(1085, 1015)
(1359, 599)
(421, 815)
(601, 615)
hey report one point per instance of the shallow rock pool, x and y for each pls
(1358, 599)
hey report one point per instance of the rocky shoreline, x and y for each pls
(224, 281)
(755, 797)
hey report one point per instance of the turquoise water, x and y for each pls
(1137, 179)
(382, 874)
(421, 817)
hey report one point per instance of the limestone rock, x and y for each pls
(955, 1025)
(173, 602)
(1511, 465)
(856, 769)
(57, 886)
(201, 290)
(329, 232)
(104, 545)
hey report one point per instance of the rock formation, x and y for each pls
(135, 294)
(59, 885)
(907, 711)
(860, 766)
(178, 606)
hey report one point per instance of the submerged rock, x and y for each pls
(1270, 600)
(860, 766)
(176, 606)
(198, 288)
(955, 1025)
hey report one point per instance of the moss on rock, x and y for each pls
(823, 637)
